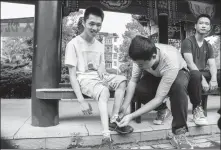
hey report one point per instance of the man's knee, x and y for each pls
(196, 75)
(105, 95)
(179, 87)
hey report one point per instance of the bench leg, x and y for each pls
(45, 113)
(138, 119)
(204, 104)
(132, 107)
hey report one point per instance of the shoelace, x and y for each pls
(199, 112)
(182, 139)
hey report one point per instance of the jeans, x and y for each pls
(195, 86)
(146, 90)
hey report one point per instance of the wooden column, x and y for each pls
(163, 28)
(182, 31)
(46, 61)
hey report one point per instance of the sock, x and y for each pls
(106, 134)
(114, 118)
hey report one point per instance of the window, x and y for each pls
(115, 63)
(115, 39)
(115, 55)
(108, 41)
(108, 49)
(108, 65)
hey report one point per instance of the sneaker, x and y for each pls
(121, 130)
(199, 117)
(161, 116)
(107, 143)
(180, 140)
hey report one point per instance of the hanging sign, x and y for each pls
(198, 8)
(116, 4)
(17, 27)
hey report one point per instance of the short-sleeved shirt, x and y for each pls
(85, 57)
(170, 63)
(200, 54)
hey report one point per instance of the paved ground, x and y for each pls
(199, 142)
(16, 126)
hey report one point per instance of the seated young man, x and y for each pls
(198, 53)
(85, 60)
(165, 74)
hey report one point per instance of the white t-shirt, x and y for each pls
(171, 61)
(84, 56)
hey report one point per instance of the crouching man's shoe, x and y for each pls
(180, 140)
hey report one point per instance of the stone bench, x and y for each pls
(66, 92)
(63, 92)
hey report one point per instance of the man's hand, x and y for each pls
(125, 121)
(86, 107)
(213, 85)
(205, 85)
(101, 71)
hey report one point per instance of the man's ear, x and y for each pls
(154, 56)
(211, 27)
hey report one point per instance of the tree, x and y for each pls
(133, 28)
(16, 68)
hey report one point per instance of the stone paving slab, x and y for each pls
(61, 130)
(86, 129)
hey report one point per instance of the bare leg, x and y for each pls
(102, 105)
(119, 96)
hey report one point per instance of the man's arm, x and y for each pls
(129, 94)
(85, 106)
(189, 60)
(74, 83)
(162, 91)
(213, 71)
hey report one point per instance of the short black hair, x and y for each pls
(95, 11)
(141, 48)
(203, 15)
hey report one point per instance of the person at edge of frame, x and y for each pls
(199, 55)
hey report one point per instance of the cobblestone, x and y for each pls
(145, 147)
(209, 141)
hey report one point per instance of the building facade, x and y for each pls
(109, 40)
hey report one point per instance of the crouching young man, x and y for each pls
(85, 60)
(164, 73)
